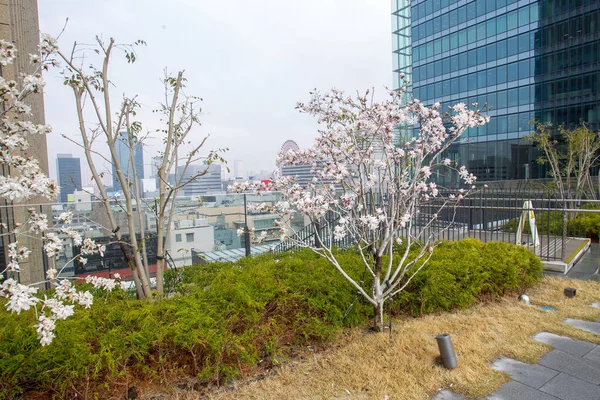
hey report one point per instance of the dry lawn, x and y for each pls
(366, 367)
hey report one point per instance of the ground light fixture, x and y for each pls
(524, 299)
(570, 292)
(447, 356)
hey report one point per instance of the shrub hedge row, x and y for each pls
(224, 319)
(459, 273)
(583, 224)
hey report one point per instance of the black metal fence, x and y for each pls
(490, 214)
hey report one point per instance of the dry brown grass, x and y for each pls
(366, 367)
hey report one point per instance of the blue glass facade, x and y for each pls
(525, 59)
(68, 171)
(123, 153)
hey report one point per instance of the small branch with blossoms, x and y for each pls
(370, 190)
(26, 181)
(62, 302)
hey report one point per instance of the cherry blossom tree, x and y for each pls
(25, 181)
(371, 185)
(181, 114)
(92, 87)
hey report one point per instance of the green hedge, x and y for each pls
(224, 319)
(580, 225)
(459, 273)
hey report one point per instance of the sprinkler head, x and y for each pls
(524, 299)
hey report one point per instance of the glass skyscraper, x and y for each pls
(123, 151)
(525, 59)
(68, 171)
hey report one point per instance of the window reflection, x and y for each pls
(522, 68)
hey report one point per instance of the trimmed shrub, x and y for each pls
(580, 225)
(461, 272)
(225, 319)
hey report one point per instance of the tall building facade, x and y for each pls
(238, 170)
(124, 150)
(302, 173)
(68, 172)
(19, 24)
(527, 60)
(209, 182)
(155, 163)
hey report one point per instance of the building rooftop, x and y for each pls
(235, 254)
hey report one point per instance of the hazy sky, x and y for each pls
(250, 61)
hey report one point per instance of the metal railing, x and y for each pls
(219, 213)
(489, 215)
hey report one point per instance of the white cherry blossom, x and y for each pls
(369, 183)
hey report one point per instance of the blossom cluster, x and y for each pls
(371, 179)
(25, 181)
(359, 152)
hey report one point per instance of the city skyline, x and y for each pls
(250, 110)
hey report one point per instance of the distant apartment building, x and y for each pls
(226, 237)
(68, 173)
(154, 164)
(303, 173)
(261, 175)
(239, 173)
(19, 25)
(525, 59)
(208, 182)
(188, 234)
(128, 158)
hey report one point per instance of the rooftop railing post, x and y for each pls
(564, 234)
(548, 229)
(44, 258)
(317, 234)
(470, 218)
(246, 230)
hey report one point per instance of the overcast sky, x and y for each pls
(250, 61)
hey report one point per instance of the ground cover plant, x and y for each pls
(480, 335)
(228, 321)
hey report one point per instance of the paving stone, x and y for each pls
(584, 267)
(566, 344)
(531, 375)
(593, 327)
(447, 395)
(572, 365)
(593, 355)
(517, 391)
(581, 275)
(568, 387)
(554, 273)
(596, 304)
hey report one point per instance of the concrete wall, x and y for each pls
(203, 240)
(19, 24)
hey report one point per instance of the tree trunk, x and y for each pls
(378, 322)
(378, 308)
(160, 253)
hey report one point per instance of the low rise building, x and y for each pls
(188, 234)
